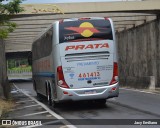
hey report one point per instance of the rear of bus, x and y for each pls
(88, 56)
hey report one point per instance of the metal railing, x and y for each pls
(20, 74)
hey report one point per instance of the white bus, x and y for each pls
(76, 59)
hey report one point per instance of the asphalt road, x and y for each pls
(129, 105)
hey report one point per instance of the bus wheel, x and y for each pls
(49, 96)
(39, 96)
(34, 85)
(54, 104)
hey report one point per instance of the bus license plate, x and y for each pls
(90, 92)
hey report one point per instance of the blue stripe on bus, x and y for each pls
(45, 74)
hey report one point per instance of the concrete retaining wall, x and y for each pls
(139, 55)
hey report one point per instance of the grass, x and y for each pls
(6, 106)
(28, 68)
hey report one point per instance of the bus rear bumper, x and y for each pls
(104, 92)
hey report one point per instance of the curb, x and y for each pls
(156, 91)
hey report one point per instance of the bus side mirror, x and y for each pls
(30, 58)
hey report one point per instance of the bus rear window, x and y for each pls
(75, 31)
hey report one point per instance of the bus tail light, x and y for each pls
(115, 74)
(60, 79)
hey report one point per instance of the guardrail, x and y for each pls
(20, 74)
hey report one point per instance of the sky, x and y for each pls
(63, 1)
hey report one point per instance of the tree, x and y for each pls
(11, 8)
(6, 10)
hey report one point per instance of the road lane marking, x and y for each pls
(26, 107)
(32, 114)
(32, 126)
(68, 124)
(139, 91)
(63, 127)
(23, 101)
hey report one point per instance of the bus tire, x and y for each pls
(34, 85)
(49, 96)
(54, 104)
(39, 96)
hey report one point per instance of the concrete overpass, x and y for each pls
(37, 17)
(137, 24)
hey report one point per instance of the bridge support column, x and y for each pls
(4, 86)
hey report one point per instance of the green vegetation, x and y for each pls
(18, 65)
(5, 107)
(6, 26)
(28, 68)
(13, 63)
(6, 11)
